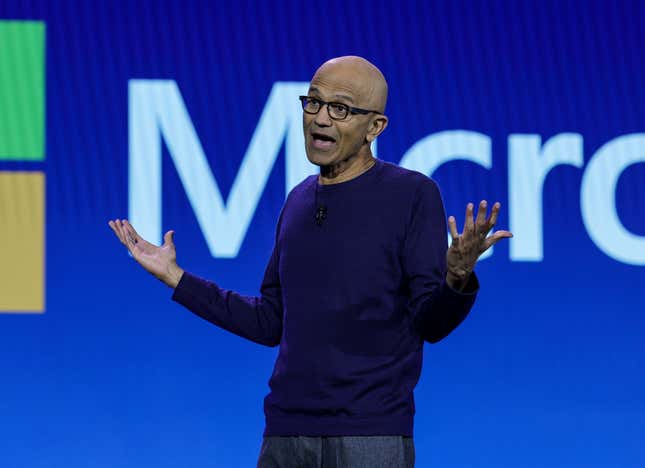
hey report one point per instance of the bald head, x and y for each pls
(340, 142)
(364, 83)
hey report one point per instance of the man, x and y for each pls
(358, 279)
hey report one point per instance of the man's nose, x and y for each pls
(322, 118)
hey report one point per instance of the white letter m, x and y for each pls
(156, 109)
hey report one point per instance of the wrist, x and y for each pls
(173, 276)
(457, 280)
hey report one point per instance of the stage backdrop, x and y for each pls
(184, 115)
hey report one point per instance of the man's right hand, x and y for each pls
(160, 261)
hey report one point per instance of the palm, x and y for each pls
(154, 258)
(466, 248)
(161, 261)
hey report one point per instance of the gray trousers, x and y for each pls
(337, 452)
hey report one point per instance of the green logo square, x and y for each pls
(22, 90)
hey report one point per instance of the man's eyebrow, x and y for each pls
(345, 97)
(315, 90)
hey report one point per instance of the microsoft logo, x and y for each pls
(22, 192)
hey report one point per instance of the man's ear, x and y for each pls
(377, 125)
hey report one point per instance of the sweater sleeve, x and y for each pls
(258, 319)
(436, 308)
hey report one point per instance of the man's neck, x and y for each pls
(346, 170)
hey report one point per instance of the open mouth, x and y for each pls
(322, 141)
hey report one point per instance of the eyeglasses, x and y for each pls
(336, 110)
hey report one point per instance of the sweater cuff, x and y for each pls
(471, 288)
(188, 289)
(462, 299)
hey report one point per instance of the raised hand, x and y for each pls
(161, 261)
(466, 248)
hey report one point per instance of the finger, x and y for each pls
(131, 228)
(120, 232)
(480, 222)
(493, 215)
(452, 225)
(469, 225)
(496, 237)
(132, 233)
(139, 242)
(123, 236)
(169, 239)
(130, 238)
(114, 229)
(124, 231)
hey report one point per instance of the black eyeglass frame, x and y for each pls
(350, 109)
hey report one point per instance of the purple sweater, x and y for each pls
(350, 300)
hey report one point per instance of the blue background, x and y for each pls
(548, 370)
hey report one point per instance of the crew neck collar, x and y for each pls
(368, 174)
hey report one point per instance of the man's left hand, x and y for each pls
(466, 248)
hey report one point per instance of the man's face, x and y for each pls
(329, 141)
